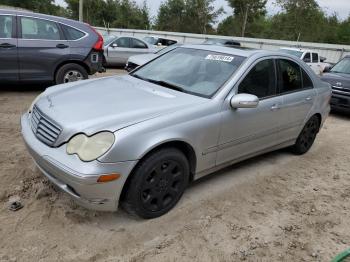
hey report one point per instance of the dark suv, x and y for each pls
(37, 47)
(339, 78)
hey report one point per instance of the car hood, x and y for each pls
(337, 79)
(109, 104)
(141, 59)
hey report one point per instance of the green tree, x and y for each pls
(171, 16)
(190, 16)
(115, 13)
(245, 13)
(39, 6)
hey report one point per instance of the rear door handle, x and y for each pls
(275, 107)
(62, 46)
(7, 45)
(308, 98)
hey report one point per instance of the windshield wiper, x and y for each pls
(166, 84)
(161, 83)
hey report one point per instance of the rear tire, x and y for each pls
(307, 136)
(70, 73)
(157, 184)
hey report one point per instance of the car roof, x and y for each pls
(296, 49)
(237, 51)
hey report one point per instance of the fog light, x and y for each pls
(108, 178)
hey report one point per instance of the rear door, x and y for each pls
(8, 49)
(41, 47)
(296, 89)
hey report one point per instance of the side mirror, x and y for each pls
(244, 101)
(114, 45)
(327, 69)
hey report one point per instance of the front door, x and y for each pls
(118, 51)
(247, 131)
(8, 49)
(41, 46)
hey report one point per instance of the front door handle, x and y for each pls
(62, 46)
(7, 45)
(308, 98)
(275, 107)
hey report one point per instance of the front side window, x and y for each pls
(123, 42)
(289, 76)
(307, 58)
(314, 57)
(5, 26)
(138, 44)
(260, 81)
(33, 28)
(193, 71)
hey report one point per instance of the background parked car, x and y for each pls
(312, 58)
(339, 78)
(158, 41)
(36, 47)
(223, 42)
(119, 49)
(138, 60)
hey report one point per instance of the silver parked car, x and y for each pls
(117, 50)
(138, 60)
(139, 139)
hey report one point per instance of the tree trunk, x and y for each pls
(245, 18)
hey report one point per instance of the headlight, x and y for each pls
(90, 148)
(33, 103)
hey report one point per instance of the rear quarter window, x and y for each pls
(72, 33)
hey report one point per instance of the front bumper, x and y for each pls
(75, 177)
(340, 100)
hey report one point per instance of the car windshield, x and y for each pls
(193, 71)
(342, 67)
(109, 39)
(151, 40)
(292, 52)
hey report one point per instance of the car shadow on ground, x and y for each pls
(341, 114)
(24, 87)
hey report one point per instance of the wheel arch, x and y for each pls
(78, 62)
(183, 146)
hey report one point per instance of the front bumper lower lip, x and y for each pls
(81, 186)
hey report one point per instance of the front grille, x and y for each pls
(341, 90)
(44, 128)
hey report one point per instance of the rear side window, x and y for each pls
(307, 83)
(72, 33)
(289, 76)
(5, 26)
(33, 28)
(138, 44)
(260, 81)
(123, 42)
(314, 57)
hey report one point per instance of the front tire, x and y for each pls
(157, 184)
(307, 136)
(70, 73)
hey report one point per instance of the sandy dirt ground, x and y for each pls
(276, 207)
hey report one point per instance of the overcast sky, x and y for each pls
(341, 7)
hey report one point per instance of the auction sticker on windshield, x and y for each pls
(223, 58)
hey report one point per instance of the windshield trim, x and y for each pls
(211, 96)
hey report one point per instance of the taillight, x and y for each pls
(98, 46)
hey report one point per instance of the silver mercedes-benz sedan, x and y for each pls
(140, 139)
